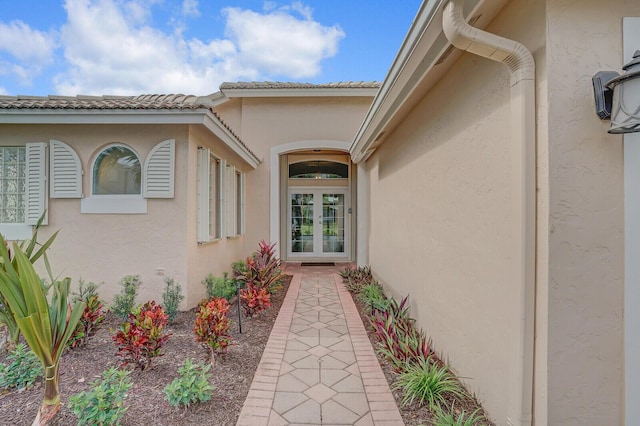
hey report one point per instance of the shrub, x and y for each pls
(372, 295)
(399, 340)
(212, 325)
(239, 268)
(424, 382)
(23, 371)
(171, 298)
(224, 286)
(192, 385)
(124, 302)
(104, 403)
(141, 338)
(462, 419)
(92, 315)
(263, 268)
(254, 299)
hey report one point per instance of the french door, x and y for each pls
(318, 223)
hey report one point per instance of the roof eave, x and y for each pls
(300, 92)
(424, 56)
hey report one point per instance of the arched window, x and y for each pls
(318, 169)
(117, 170)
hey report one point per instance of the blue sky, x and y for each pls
(127, 47)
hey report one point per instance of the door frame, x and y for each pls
(318, 239)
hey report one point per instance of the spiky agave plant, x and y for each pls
(45, 324)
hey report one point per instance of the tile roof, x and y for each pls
(141, 102)
(105, 102)
(284, 85)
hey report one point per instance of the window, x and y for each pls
(318, 169)
(210, 196)
(117, 170)
(13, 178)
(121, 183)
(22, 189)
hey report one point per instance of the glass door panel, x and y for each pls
(333, 221)
(318, 224)
(302, 225)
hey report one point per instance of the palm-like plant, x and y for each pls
(45, 324)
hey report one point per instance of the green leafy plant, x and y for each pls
(92, 316)
(212, 325)
(46, 324)
(23, 370)
(443, 418)
(104, 404)
(124, 302)
(171, 298)
(191, 386)
(141, 338)
(425, 382)
(239, 268)
(224, 286)
(254, 299)
(33, 250)
(372, 296)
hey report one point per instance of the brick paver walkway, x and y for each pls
(318, 367)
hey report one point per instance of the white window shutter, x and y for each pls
(36, 188)
(223, 198)
(203, 195)
(159, 169)
(65, 171)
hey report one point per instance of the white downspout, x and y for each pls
(522, 67)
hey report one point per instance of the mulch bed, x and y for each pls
(232, 375)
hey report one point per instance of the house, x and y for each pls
(476, 179)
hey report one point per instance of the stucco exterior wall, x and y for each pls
(105, 247)
(269, 122)
(586, 217)
(441, 206)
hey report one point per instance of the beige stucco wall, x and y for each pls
(586, 217)
(268, 122)
(105, 247)
(442, 201)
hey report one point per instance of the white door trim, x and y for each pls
(631, 42)
(274, 178)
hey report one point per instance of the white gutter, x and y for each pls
(522, 67)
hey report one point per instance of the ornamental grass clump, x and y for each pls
(141, 338)
(373, 297)
(191, 386)
(425, 382)
(212, 325)
(103, 405)
(443, 418)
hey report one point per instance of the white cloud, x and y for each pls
(3, 91)
(30, 49)
(111, 48)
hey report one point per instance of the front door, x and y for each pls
(318, 223)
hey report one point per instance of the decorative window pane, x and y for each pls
(13, 175)
(117, 170)
(215, 224)
(318, 169)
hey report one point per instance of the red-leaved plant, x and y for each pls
(212, 325)
(142, 336)
(263, 268)
(254, 299)
(91, 318)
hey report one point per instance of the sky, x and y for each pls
(131, 47)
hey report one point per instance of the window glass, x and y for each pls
(318, 169)
(239, 203)
(13, 175)
(117, 170)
